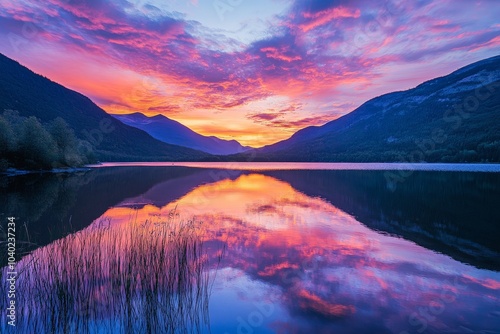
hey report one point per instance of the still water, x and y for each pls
(170, 249)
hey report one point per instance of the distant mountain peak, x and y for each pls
(173, 132)
(159, 116)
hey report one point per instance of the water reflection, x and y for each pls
(50, 206)
(320, 270)
(305, 252)
(454, 213)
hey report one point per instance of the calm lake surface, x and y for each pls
(200, 248)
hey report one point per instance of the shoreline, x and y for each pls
(263, 166)
(17, 172)
(374, 166)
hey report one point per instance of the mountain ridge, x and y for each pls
(173, 132)
(463, 108)
(31, 94)
(377, 131)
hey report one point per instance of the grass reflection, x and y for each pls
(149, 277)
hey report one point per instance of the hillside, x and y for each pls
(455, 118)
(31, 94)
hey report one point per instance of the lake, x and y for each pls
(256, 248)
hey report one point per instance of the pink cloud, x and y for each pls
(320, 18)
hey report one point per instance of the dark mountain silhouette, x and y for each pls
(173, 132)
(31, 94)
(455, 118)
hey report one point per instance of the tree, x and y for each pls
(7, 143)
(7, 139)
(67, 143)
(37, 147)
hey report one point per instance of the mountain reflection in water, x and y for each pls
(283, 260)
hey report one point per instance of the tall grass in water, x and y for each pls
(150, 277)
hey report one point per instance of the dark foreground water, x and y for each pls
(193, 250)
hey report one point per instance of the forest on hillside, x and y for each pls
(26, 143)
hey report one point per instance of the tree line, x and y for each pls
(26, 143)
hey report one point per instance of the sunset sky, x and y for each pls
(251, 70)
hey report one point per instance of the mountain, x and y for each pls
(457, 220)
(173, 132)
(31, 94)
(455, 118)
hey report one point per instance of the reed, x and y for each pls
(151, 277)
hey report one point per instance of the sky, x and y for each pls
(251, 70)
